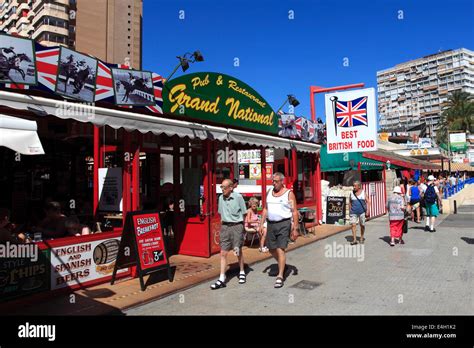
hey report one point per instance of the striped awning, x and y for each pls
(462, 167)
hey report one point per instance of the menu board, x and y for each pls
(149, 238)
(335, 209)
(142, 245)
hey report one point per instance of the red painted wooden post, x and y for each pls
(317, 184)
(263, 163)
(97, 161)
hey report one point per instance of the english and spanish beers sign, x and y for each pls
(351, 121)
(221, 99)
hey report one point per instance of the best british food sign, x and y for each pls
(351, 121)
(219, 98)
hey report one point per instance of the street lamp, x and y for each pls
(290, 99)
(185, 60)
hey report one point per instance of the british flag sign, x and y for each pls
(351, 113)
(351, 121)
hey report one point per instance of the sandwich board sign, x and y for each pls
(351, 121)
(142, 245)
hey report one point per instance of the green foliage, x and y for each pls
(457, 115)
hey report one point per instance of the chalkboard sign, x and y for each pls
(335, 209)
(142, 245)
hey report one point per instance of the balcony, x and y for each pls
(50, 29)
(22, 20)
(9, 19)
(51, 11)
(31, 15)
(36, 4)
(22, 7)
(429, 88)
(445, 71)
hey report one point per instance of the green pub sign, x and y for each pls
(219, 98)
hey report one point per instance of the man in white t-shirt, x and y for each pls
(281, 214)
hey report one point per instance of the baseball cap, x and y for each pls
(431, 178)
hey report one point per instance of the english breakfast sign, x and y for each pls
(219, 98)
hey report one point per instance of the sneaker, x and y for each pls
(433, 230)
(427, 228)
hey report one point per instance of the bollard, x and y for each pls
(455, 207)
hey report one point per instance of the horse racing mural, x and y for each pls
(133, 87)
(17, 60)
(76, 75)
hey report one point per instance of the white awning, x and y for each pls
(101, 116)
(243, 137)
(20, 135)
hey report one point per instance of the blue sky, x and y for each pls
(279, 56)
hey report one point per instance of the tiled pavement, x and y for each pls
(432, 273)
(113, 299)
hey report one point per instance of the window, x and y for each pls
(306, 166)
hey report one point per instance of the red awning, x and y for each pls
(399, 160)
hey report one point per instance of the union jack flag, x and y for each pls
(352, 113)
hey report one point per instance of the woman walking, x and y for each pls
(396, 212)
(415, 196)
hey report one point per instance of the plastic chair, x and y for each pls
(251, 231)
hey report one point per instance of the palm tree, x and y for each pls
(457, 115)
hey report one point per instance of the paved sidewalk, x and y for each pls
(113, 299)
(432, 274)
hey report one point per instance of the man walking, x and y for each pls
(358, 211)
(232, 210)
(282, 218)
(432, 199)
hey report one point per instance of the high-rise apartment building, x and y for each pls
(416, 91)
(107, 29)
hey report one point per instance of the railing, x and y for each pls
(450, 190)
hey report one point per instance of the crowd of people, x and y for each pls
(420, 198)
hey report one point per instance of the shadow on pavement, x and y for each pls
(386, 239)
(468, 240)
(272, 271)
(160, 276)
(62, 304)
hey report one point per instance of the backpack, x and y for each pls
(430, 195)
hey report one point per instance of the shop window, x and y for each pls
(64, 174)
(304, 189)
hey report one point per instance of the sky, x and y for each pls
(279, 55)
